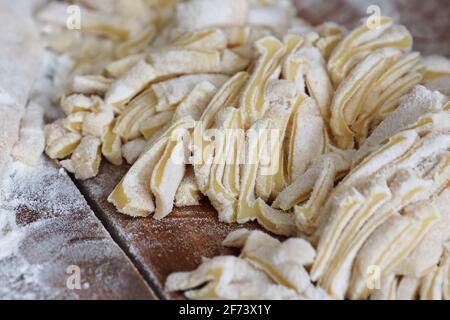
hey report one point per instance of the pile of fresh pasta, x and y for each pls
(337, 140)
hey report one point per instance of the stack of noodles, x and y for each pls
(336, 140)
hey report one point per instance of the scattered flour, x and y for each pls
(47, 226)
(9, 235)
(22, 190)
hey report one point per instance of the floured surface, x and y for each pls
(46, 227)
(159, 247)
(19, 52)
(20, 48)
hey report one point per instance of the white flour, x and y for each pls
(9, 232)
(22, 188)
(9, 235)
(19, 177)
(47, 226)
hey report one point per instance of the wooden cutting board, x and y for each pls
(127, 258)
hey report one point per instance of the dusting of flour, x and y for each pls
(9, 235)
(46, 227)
(22, 190)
